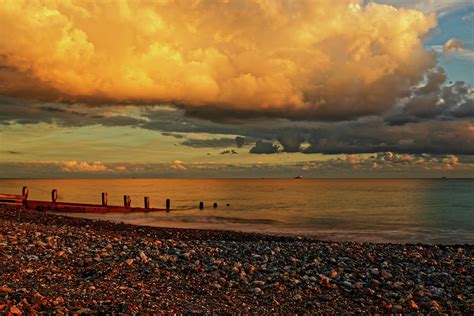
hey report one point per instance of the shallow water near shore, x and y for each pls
(378, 210)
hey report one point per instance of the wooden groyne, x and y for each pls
(56, 206)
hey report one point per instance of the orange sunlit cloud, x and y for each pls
(325, 56)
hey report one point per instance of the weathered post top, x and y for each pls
(168, 204)
(201, 205)
(54, 195)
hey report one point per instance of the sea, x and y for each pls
(430, 211)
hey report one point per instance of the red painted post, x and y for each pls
(104, 198)
(25, 192)
(147, 202)
(54, 195)
(127, 201)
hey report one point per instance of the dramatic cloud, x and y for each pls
(239, 141)
(291, 142)
(433, 119)
(262, 147)
(434, 100)
(311, 60)
(353, 160)
(457, 48)
(453, 44)
(177, 165)
(371, 137)
(82, 166)
(27, 112)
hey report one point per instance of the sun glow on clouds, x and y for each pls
(381, 164)
(313, 59)
(177, 165)
(82, 166)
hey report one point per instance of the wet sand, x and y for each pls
(57, 263)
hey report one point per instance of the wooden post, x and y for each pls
(54, 195)
(147, 202)
(201, 205)
(127, 201)
(214, 205)
(25, 192)
(104, 198)
(168, 205)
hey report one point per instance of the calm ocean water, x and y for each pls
(388, 210)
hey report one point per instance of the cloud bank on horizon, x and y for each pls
(351, 165)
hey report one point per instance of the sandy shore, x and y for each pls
(58, 263)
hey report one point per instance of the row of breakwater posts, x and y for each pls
(54, 205)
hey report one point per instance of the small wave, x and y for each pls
(221, 219)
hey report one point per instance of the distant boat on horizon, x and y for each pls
(298, 177)
(444, 178)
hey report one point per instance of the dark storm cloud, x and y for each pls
(178, 136)
(116, 120)
(291, 142)
(28, 112)
(441, 134)
(429, 137)
(21, 111)
(209, 143)
(22, 84)
(466, 109)
(434, 101)
(239, 141)
(262, 147)
(174, 120)
(348, 107)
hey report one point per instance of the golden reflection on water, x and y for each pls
(364, 209)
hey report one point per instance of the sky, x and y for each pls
(236, 88)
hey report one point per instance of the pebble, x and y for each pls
(257, 290)
(397, 308)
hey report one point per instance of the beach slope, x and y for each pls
(64, 264)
